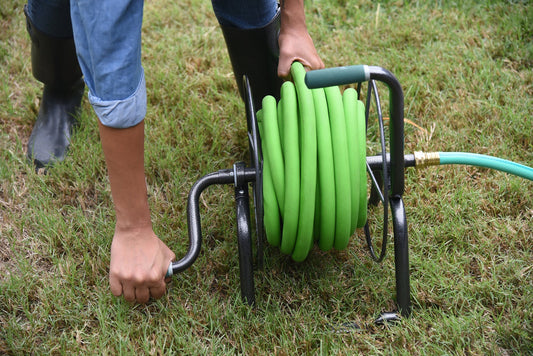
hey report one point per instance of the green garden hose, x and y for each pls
(314, 166)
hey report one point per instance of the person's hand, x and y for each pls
(297, 45)
(139, 262)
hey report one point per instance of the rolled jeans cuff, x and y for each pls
(122, 113)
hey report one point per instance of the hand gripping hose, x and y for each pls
(314, 166)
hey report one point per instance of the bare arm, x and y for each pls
(139, 259)
(294, 39)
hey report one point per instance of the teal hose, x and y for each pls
(479, 160)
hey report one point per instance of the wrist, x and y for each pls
(292, 16)
(133, 227)
(134, 215)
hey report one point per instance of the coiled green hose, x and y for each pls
(314, 166)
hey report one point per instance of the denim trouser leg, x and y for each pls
(108, 43)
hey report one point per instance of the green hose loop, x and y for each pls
(271, 215)
(291, 152)
(342, 167)
(325, 210)
(349, 101)
(318, 152)
(360, 139)
(308, 168)
(272, 144)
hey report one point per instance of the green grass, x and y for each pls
(466, 72)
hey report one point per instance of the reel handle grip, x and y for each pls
(328, 77)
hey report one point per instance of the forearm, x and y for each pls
(124, 154)
(139, 259)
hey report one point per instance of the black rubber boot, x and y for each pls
(255, 53)
(54, 63)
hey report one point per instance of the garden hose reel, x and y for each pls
(386, 171)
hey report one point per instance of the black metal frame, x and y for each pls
(389, 166)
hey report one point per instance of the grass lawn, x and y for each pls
(466, 71)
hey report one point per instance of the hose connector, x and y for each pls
(426, 159)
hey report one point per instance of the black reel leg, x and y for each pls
(244, 237)
(401, 256)
(382, 196)
(401, 263)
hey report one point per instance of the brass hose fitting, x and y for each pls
(426, 159)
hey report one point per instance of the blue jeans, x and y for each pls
(107, 34)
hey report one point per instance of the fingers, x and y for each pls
(140, 287)
(284, 67)
(128, 292)
(139, 263)
(116, 286)
(158, 292)
(297, 47)
(139, 291)
(142, 295)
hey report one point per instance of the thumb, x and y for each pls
(284, 67)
